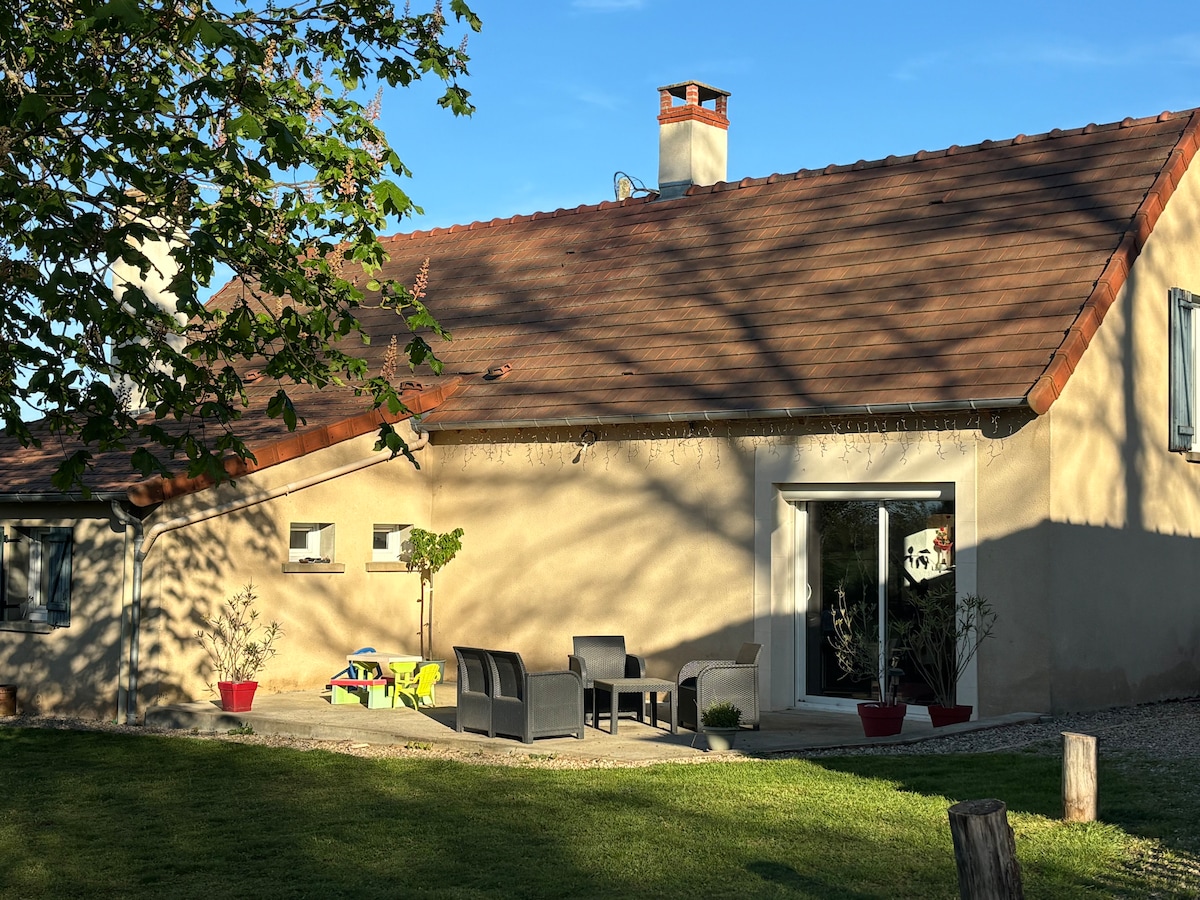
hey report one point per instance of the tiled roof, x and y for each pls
(968, 276)
(330, 417)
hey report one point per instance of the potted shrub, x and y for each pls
(719, 724)
(239, 646)
(943, 636)
(859, 654)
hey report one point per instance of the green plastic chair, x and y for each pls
(416, 688)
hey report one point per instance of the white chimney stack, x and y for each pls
(155, 284)
(693, 139)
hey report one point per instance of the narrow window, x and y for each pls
(311, 542)
(37, 576)
(389, 543)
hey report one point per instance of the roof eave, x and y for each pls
(727, 415)
(55, 497)
(159, 489)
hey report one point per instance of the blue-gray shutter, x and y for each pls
(1182, 391)
(57, 546)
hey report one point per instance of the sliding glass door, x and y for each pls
(871, 553)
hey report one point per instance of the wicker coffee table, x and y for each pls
(615, 687)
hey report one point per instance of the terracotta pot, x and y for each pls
(237, 696)
(949, 715)
(880, 720)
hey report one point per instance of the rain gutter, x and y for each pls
(56, 497)
(731, 415)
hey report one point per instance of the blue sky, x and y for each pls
(567, 95)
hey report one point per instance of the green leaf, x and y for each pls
(245, 124)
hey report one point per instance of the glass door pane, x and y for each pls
(920, 559)
(845, 564)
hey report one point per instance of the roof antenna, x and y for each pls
(625, 186)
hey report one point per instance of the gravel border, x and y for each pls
(1166, 731)
(1162, 731)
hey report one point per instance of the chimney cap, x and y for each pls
(707, 91)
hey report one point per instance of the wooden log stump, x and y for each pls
(985, 851)
(1079, 784)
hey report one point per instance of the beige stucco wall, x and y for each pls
(678, 541)
(649, 536)
(1125, 512)
(191, 570)
(74, 669)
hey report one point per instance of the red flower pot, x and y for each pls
(881, 720)
(949, 715)
(237, 696)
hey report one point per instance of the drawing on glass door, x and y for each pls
(877, 553)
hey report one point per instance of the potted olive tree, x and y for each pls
(719, 724)
(861, 655)
(238, 646)
(942, 636)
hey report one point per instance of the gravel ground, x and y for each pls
(1169, 730)
(1162, 731)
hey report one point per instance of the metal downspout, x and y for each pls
(127, 705)
(144, 540)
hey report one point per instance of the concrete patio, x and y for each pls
(309, 714)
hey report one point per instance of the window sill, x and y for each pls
(388, 567)
(314, 568)
(1192, 456)
(27, 627)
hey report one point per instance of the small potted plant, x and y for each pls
(719, 724)
(859, 654)
(239, 647)
(943, 635)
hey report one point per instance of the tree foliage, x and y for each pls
(184, 141)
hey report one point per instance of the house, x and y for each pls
(701, 415)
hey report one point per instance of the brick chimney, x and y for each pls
(693, 139)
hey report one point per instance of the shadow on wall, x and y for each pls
(192, 579)
(1091, 617)
(75, 668)
(625, 542)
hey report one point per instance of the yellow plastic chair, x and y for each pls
(416, 688)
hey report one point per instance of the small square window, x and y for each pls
(389, 543)
(311, 542)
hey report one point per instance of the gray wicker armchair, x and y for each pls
(474, 709)
(704, 682)
(604, 657)
(530, 705)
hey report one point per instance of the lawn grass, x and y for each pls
(87, 814)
